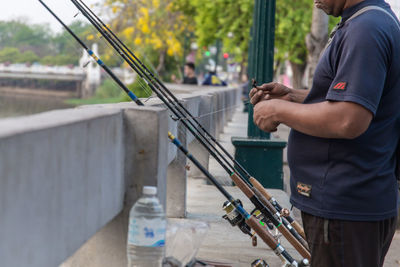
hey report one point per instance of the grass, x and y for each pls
(109, 92)
(93, 100)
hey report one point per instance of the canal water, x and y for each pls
(19, 105)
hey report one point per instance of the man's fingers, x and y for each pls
(254, 100)
(256, 97)
(266, 86)
(253, 92)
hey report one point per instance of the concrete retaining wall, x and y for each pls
(69, 174)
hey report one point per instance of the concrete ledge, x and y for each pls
(69, 174)
(61, 181)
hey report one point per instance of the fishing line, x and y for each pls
(160, 93)
(209, 114)
(238, 180)
(151, 77)
(205, 141)
(106, 68)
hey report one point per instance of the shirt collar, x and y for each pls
(348, 12)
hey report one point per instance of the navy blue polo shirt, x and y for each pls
(353, 179)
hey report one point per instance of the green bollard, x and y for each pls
(258, 154)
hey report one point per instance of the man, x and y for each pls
(345, 130)
(189, 74)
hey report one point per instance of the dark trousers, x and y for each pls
(338, 243)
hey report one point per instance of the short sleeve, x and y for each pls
(360, 66)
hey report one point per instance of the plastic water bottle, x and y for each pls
(146, 235)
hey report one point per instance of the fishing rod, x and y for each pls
(132, 96)
(256, 197)
(251, 221)
(302, 251)
(91, 16)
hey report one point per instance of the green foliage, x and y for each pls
(9, 54)
(332, 22)
(20, 35)
(139, 88)
(91, 101)
(14, 55)
(108, 89)
(59, 60)
(293, 23)
(229, 21)
(109, 92)
(64, 44)
(20, 43)
(27, 57)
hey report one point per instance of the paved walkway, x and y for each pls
(224, 243)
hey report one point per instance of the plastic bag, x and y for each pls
(183, 239)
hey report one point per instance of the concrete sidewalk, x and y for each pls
(224, 243)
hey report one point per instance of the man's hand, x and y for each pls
(264, 115)
(269, 91)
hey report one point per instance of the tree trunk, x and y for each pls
(161, 63)
(316, 41)
(243, 69)
(298, 74)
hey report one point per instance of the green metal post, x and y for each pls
(261, 156)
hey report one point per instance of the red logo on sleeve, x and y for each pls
(340, 86)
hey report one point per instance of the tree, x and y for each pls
(20, 43)
(64, 43)
(152, 27)
(27, 57)
(317, 38)
(231, 21)
(228, 21)
(9, 54)
(292, 25)
(25, 37)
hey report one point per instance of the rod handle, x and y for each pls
(263, 200)
(260, 188)
(262, 233)
(242, 185)
(265, 193)
(285, 232)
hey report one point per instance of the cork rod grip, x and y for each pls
(295, 243)
(242, 185)
(260, 188)
(263, 200)
(262, 233)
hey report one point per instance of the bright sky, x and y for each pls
(34, 12)
(395, 4)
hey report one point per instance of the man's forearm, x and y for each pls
(298, 95)
(322, 120)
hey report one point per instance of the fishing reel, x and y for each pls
(262, 263)
(259, 263)
(236, 219)
(268, 225)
